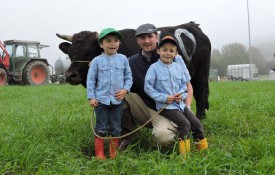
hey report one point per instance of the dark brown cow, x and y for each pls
(195, 48)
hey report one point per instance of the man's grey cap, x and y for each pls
(145, 28)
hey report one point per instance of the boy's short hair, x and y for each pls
(108, 31)
(168, 39)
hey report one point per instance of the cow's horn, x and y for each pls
(65, 37)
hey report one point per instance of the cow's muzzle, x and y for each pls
(73, 77)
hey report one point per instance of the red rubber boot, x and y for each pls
(113, 148)
(99, 148)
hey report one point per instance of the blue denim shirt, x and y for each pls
(162, 80)
(107, 75)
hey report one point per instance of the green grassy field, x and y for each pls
(46, 130)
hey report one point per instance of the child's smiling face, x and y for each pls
(167, 52)
(110, 44)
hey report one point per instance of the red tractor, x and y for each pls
(21, 63)
(4, 64)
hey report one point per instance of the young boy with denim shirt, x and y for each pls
(165, 82)
(108, 81)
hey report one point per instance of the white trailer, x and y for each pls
(242, 72)
(271, 74)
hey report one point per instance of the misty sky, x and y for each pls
(223, 21)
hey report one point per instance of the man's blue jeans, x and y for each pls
(108, 119)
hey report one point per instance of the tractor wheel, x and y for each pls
(3, 77)
(36, 73)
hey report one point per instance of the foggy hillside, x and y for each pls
(267, 46)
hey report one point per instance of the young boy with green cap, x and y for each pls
(108, 80)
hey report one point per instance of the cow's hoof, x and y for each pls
(202, 117)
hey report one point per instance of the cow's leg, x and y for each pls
(201, 89)
(201, 95)
(205, 101)
(199, 80)
(206, 106)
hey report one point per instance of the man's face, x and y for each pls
(147, 42)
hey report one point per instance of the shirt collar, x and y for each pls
(154, 56)
(108, 55)
(163, 64)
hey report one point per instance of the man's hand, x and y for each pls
(93, 102)
(121, 94)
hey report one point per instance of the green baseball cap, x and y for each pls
(108, 31)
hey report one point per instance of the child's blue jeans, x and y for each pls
(108, 119)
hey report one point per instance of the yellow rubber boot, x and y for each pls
(184, 147)
(202, 145)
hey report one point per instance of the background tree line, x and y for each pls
(237, 53)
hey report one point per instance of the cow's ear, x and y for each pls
(64, 47)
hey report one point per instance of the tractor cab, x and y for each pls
(21, 52)
(26, 64)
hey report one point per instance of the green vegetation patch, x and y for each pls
(46, 130)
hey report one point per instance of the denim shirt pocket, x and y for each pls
(119, 71)
(119, 76)
(162, 80)
(178, 78)
(178, 81)
(103, 73)
(103, 68)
